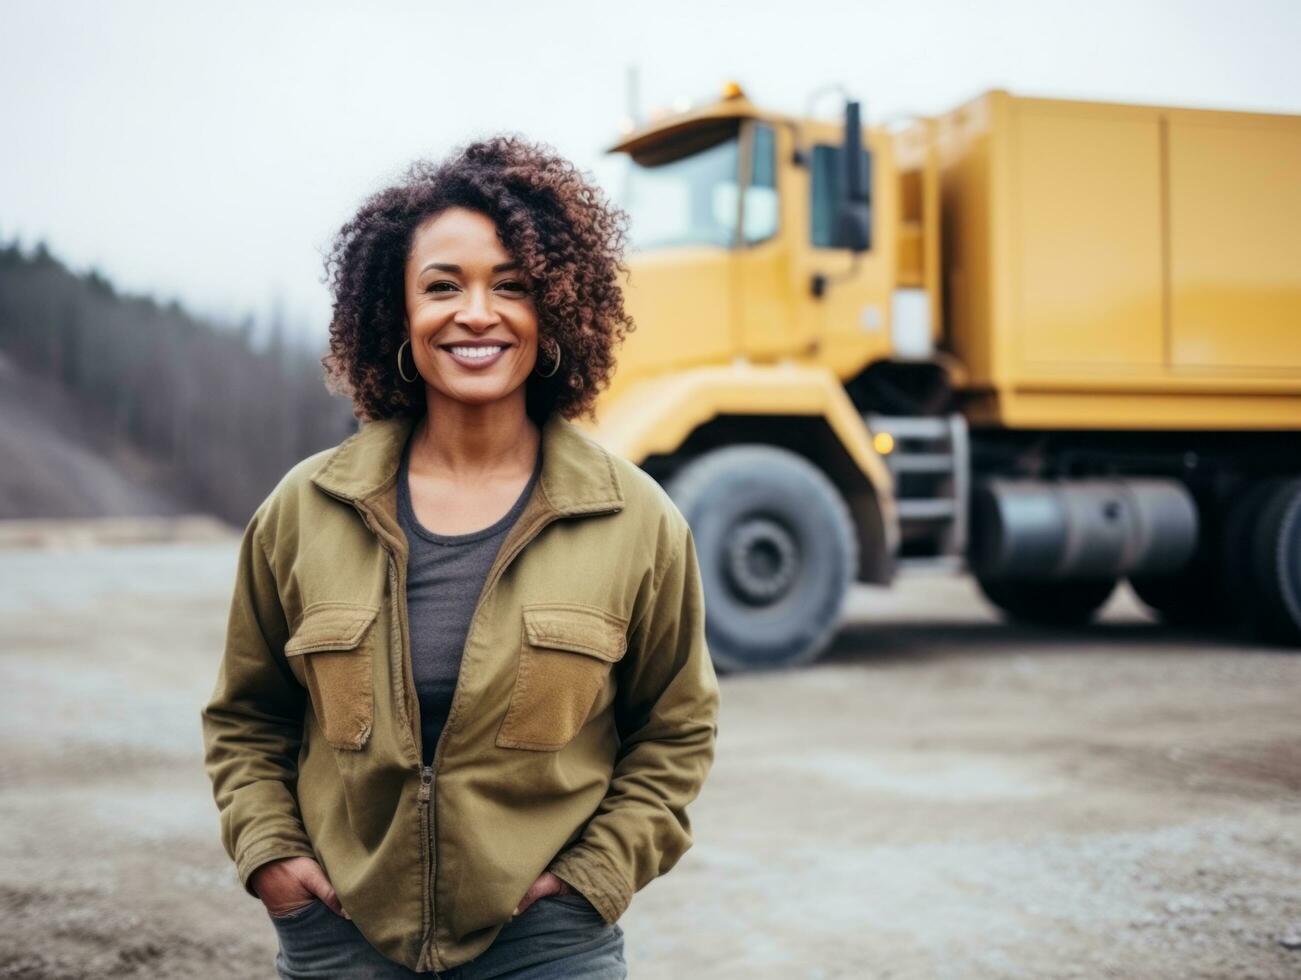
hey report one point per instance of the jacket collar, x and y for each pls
(577, 476)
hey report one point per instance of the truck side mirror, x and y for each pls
(854, 209)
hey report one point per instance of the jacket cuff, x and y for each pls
(601, 883)
(264, 852)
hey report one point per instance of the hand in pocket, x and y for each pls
(289, 884)
(545, 884)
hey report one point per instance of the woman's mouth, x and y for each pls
(475, 357)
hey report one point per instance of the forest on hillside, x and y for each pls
(218, 417)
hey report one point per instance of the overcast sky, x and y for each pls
(207, 152)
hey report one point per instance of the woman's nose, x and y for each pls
(477, 311)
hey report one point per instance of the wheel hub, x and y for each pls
(761, 560)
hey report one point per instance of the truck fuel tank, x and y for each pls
(1081, 529)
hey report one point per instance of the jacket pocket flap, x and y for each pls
(330, 626)
(577, 629)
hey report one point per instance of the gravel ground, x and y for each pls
(941, 796)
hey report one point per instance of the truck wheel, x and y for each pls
(1242, 590)
(1276, 561)
(777, 552)
(1068, 603)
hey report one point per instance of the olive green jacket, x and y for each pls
(582, 724)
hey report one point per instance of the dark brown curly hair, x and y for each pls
(555, 222)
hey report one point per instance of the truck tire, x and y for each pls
(1276, 561)
(1242, 591)
(1065, 603)
(777, 551)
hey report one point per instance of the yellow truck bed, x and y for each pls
(1118, 266)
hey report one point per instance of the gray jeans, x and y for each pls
(555, 938)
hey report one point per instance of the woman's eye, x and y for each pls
(513, 286)
(437, 287)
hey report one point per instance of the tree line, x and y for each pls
(222, 416)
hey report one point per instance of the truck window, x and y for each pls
(759, 220)
(827, 175)
(689, 199)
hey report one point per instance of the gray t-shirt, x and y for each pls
(445, 573)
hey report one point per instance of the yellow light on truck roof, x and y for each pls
(732, 90)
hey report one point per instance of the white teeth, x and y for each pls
(475, 352)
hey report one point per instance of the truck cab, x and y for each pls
(735, 217)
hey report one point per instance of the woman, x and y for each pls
(465, 697)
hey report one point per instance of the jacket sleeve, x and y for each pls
(667, 703)
(252, 726)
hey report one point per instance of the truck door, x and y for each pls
(683, 196)
(767, 294)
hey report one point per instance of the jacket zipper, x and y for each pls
(425, 795)
(397, 590)
(427, 842)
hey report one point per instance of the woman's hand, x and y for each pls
(546, 884)
(291, 883)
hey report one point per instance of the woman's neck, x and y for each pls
(468, 443)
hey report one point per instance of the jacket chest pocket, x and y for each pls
(333, 638)
(566, 653)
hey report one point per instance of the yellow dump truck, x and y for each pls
(1054, 343)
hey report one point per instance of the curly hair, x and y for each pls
(558, 225)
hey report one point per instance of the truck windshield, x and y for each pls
(686, 200)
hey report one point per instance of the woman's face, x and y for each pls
(470, 312)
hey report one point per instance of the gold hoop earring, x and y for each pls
(555, 344)
(402, 373)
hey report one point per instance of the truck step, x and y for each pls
(927, 509)
(930, 463)
(910, 427)
(920, 462)
(937, 564)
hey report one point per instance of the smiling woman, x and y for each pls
(536, 213)
(466, 695)
(466, 318)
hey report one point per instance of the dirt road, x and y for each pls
(942, 796)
